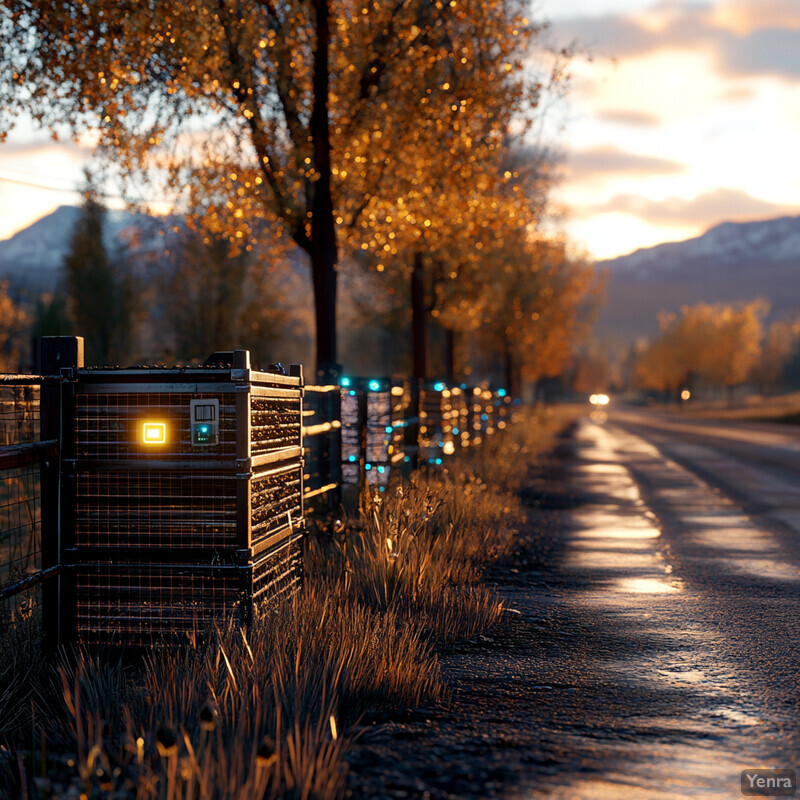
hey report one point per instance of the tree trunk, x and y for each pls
(510, 367)
(323, 232)
(419, 352)
(450, 356)
(419, 326)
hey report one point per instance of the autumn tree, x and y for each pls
(779, 347)
(712, 343)
(101, 293)
(593, 371)
(547, 311)
(303, 112)
(214, 296)
(14, 322)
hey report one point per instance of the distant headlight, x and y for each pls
(599, 399)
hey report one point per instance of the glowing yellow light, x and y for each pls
(154, 432)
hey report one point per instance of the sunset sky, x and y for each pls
(687, 114)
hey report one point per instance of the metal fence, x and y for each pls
(160, 499)
(182, 498)
(22, 457)
(367, 431)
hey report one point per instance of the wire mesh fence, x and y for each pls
(385, 427)
(174, 496)
(184, 499)
(20, 497)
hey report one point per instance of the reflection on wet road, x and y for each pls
(682, 576)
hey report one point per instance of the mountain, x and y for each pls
(34, 257)
(730, 263)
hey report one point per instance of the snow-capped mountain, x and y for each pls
(34, 257)
(729, 242)
(730, 263)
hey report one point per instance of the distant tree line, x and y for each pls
(193, 295)
(718, 347)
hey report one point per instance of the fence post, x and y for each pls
(331, 456)
(412, 423)
(361, 422)
(296, 371)
(55, 353)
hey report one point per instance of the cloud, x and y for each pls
(627, 117)
(765, 52)
(743, 40)
(40, 147)
(608, 160)
(709, 208)
(738, 95)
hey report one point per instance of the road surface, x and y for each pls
(688, 541)
(653, 648)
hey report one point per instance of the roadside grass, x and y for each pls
(783, 408)
(270, 712)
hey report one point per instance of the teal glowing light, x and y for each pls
(438, 387)
(374, 386)
(501, 392)
(345, 382)
(367, 466)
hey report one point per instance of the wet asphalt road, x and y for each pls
(690, 531)
(653, 648)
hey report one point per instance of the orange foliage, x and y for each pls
(718, 344)
(14, 321)
(345, 122)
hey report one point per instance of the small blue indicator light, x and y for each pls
(204, 429)
(438, 387)
(352, 393)
(407, 458)
(438, 460)
(367, 466)
(484, 417)
(345, 382)
(501, 392)
(381, 470)
(389, 429)
(455, 431)
(374, 386)
(352, 459)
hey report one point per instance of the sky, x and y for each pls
(685, 115)
(681, 114)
